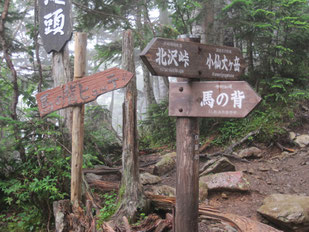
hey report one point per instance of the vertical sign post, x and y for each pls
(187, 170)
(188, 100)
(78, 122)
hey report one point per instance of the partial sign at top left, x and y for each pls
(55, 23)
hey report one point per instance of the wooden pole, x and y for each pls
(187, 173)
(78, 121)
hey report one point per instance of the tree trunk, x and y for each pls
(6, 53)
(148, 87)
(131, 195)
(163, 81)
(61, 72)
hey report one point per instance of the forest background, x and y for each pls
(35, 153)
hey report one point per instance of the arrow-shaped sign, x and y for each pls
(82, 91)
(223, 99)
(165, 57)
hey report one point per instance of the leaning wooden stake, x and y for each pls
(187, 173)
(78, 122)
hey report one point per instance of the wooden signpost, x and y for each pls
(76, 94)
(55, 23)
(83, 90)
(165, 57)
(216, 99)
(188, 100)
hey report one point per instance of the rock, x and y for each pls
(252, 152)
(166, 164)
(90, 177)
(203, 191)
(217, 165)
(233, 181)
(147, 178)
(292, 136)
(164, 190)
(302, 140)
(224, 196)
(292, 211)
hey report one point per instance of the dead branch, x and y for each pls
(207, 143)
(104, 170)
(229, 150)
(105, 185)
(89, 195)
(282, 148)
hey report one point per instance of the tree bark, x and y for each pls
(8, 59)
(9, 62)
(148, 87)
(37, 46)
(131, 195)
(61, 72)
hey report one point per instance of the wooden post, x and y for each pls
(78, 121)
(187, 173)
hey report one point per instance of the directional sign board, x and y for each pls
(82, 91)
(55, 23)
(222, 99)
(165, 57)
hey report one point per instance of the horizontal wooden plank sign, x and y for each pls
(82, 91)
(222, 99)
(166, 57)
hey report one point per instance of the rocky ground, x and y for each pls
(265, 184)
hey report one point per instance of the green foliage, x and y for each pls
(274, 34)
(108, 209)
(100, 138)
(157, 128)
(34, 168)
(183, 14)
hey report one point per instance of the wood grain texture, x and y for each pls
(187, 170)
(81, 91)
(166, 57)
(187, 175)
(78, 122)
(227, 99)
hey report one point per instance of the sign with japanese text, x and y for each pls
(82, 90)
(165, 57)
(55, 23)
(223, 99)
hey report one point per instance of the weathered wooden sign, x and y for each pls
(223, 99)
(82, 91)
(165, 57)
(55, 23)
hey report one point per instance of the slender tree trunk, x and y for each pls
(61, 71)
(37, 46)
(9, 62)
(148, 83)
(148, 87)
(131, 194)
(163, 81)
